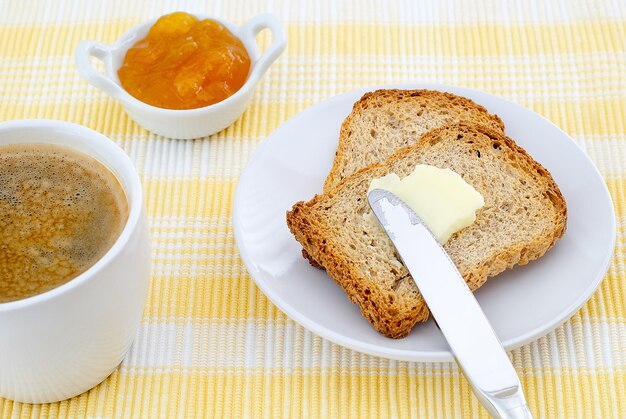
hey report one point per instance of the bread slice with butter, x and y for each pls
(383, 121)
(523, 216)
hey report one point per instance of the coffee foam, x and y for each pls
(61, 212)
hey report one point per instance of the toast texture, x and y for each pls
(383, 121)
(523, 216)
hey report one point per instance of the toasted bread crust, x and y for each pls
(393, 305)
(444, 109)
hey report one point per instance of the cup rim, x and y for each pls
(118, 48)
(122, 167)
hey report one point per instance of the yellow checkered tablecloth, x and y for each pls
(210, 343)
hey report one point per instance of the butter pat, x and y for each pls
(440, 197)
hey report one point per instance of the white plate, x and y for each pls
(522, 304)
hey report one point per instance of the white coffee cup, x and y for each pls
(63, 342)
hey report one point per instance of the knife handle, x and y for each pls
(518, 412)
(513, 406)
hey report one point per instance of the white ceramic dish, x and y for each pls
(522, 304)
(60, 343)
(188, 123)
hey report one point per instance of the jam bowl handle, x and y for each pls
(87, 49)
(279, 40)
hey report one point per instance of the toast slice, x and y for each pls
(523, 216)
(383, 121)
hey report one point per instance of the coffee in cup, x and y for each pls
(62, 342)
(62, 210)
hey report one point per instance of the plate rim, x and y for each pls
(404, 354)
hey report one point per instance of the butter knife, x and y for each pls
(456, 312)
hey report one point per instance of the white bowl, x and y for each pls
(188, 123)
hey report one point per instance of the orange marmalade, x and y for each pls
(185, 63)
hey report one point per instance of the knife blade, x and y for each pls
(456, 312)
